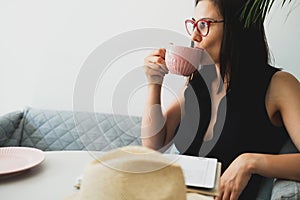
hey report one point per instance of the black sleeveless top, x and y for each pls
(242, 124)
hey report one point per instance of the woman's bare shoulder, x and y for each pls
(284, 85)
(283, 79)
(284, 75)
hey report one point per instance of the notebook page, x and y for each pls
(197, 171)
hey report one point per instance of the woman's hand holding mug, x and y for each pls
(155, 66)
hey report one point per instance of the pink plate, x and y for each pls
(16, 159)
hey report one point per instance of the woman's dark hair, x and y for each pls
(243, 49)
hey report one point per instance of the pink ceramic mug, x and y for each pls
(183, 60)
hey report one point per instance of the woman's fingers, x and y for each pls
(159, 52)
(157, 56)
(226, 195)
(155, 65)
(164, 67)
(154, 70)
(155, 59)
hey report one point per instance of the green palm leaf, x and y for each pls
(257, 10)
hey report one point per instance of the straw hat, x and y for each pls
(130, 173)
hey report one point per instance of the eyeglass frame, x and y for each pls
(195, 24)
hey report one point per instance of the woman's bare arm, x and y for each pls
(157, 127)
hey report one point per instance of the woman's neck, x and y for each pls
(219, 79)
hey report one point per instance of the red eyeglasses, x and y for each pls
(202, 25)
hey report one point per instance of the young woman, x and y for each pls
(262, 103)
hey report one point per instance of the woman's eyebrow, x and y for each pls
(204, 18)
(208, 18)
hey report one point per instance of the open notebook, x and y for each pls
(198, 171)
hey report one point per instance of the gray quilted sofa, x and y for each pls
(53, 130)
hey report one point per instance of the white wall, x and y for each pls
(283, 31)
(44, 45)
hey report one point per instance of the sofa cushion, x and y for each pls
(67, 130)
(9, 123)
(286, 189)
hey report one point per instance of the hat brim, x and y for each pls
(189, 196)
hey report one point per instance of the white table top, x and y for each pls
(53, 179)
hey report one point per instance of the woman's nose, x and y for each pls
(196, 37)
